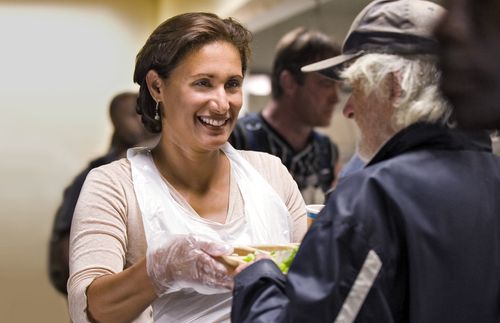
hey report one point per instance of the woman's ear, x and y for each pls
(154, 82)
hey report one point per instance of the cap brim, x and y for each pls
(330, 67)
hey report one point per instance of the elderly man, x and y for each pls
(412, 237)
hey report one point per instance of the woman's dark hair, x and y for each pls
(297, 48)
(171, 41)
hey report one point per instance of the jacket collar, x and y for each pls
(432, 137)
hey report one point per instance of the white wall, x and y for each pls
(60, 65)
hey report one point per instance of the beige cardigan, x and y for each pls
(107, 233)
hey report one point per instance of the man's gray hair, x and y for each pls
(418, 77)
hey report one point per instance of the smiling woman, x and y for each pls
(149, 230)
(202, 97)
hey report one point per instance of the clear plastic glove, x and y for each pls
(186, 261)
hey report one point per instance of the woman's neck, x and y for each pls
(201, 178)
(189, 170)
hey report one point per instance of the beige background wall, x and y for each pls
(60, 64)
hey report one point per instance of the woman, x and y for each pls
(148, 230)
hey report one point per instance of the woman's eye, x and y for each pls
(205, 83)
(233, 84)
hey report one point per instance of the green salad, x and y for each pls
(282, 258)
(249, 258)
(284, 265)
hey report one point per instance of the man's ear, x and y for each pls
(288, 82)
(395, 84)
(154, 82)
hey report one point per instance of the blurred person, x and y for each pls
(300, 102)
(128, 131)
(413, 236)
(469, 37)
(148, 230)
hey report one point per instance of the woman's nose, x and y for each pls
(220, 101)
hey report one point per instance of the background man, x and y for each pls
(301, 101)
(412, 237)
(128, 132)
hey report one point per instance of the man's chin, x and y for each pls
(325, 122)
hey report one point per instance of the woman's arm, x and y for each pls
(184, 261)
(101, 286)
(120, 297)
(297, 208)
(104, 278)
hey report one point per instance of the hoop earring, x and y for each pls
(157, 109)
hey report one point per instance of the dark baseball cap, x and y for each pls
(401, 27)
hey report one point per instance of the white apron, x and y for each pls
(267, 221)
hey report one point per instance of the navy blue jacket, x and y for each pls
(420, 224)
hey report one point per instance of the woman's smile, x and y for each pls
(213, 122)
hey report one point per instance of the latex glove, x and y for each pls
(186, 261)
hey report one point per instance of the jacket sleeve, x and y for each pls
(259, 294)
(335, 274)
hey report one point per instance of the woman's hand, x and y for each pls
(187, 261)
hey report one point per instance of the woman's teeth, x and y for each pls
(213, 122)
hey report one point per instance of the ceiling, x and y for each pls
(331, 17)
(271, 19)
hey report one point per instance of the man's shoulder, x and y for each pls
(251, 132)
(251, 117)
(251, 122)
(387, 175)
(325, 145)
(322, 138)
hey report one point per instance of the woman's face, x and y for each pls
(202, 97)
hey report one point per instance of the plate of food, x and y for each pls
(282, 255)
